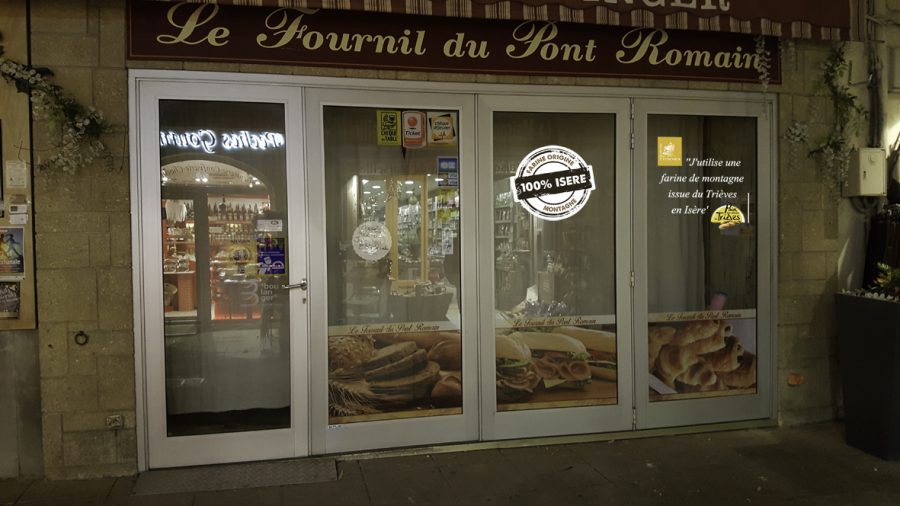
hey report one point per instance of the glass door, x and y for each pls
(393, 342)
(703, 262)
(556, 333)
(222, 234)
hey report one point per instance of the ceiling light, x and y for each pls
(375, 186)
(409, 191)
(409, 182)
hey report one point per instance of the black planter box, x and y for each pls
(869, 361)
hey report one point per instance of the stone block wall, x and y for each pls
(83, 247)
(20, 399)
(84, 242)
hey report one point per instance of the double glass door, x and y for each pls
(342, 270)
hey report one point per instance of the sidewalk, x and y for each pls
(808, 465)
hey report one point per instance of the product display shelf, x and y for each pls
(179, 267)
(443, 224)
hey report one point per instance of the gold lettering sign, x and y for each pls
(348, 39)
(198, 17)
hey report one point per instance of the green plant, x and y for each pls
(78, 127)
(888, 281)
(833, 152)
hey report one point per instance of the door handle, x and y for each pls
(301, 285)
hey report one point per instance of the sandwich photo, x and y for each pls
(516, 377)
(560, 361)
(601, 346)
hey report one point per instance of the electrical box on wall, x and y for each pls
(867, 176)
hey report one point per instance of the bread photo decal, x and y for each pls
(600, 345)
(392, 372)
(559, 360)
(700, 356)
(516, 377)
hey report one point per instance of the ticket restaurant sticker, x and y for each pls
(553, 183)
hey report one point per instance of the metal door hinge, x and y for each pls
(633, 419)
(632, 141)
(632, 279)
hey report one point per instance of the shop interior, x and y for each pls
(224, 224)
(415, 277)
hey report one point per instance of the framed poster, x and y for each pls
(10, 299)
(12, 253)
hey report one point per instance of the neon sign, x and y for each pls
(209, 140)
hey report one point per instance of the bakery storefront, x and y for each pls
(335, 264)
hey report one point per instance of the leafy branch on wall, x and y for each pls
(833, 152)
(77, 127)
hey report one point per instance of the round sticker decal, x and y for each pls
(552, 183)
(372, 240)
(727, 216)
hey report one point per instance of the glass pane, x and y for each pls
(554, 271)
(224, 226)
(392, 213)
(702, 255)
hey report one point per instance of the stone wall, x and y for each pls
(20, 397)
(84, 257)
(83, 237)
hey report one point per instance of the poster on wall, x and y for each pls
(10, 299)
(12, 253)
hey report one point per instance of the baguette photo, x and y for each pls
(601, 346)
(560, 360)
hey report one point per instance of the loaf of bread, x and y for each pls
(726, 359)
(672, 362)
(448, 354)
(699, 374)
(744, 376)
(658, 337)
(696, 331)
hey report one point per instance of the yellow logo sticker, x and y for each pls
(727, 216)
(668, 151)
(389, 133)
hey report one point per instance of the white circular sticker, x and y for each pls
(552, 183)
(372, 240)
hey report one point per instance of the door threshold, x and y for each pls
(238, 475)
(557, 440)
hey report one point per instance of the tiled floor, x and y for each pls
(798, 466)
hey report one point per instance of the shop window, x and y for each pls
(393, 221)
(702, 256)
(554, 260)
